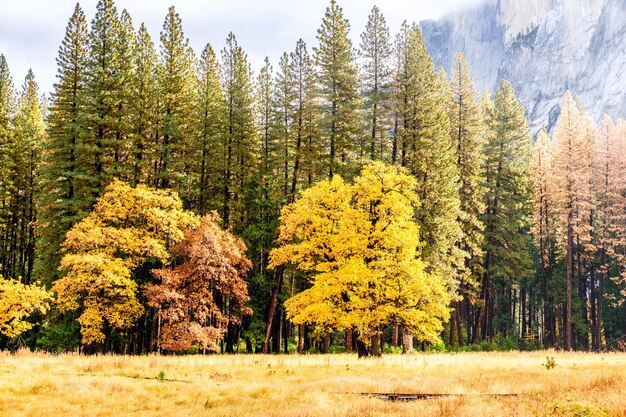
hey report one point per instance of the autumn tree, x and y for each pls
(206, 292)
(545, 227)
(359, 242)
(338, 82)
(127, 228)
(611, 192)
(17, 302)
(572, 171)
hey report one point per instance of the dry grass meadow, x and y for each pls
(312, 385)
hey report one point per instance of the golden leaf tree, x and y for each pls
(17, 303)
(127, 227)
(359, 244)
(206, 292)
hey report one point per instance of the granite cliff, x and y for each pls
(543, 47)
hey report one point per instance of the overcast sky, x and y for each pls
(32, 30)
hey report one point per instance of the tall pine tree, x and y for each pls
(338, 83)
(508, 210)
(176, 101)
(466, 131)
(60, 203)
(375, 49)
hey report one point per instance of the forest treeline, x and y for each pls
(529, 237)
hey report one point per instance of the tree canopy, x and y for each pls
(359, 244)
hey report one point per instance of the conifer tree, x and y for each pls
(7, 109)
(60, 203)
(144, 110)
(266, 113)
(508, 208)
(429, 154)
(176, 105)
(285, 94)
(466, 130)
(302, 140)
(25, 157)
(573, 177)
(466, 127)
(338, 83)
(120, 153)
(544, 216)
(204, 158)
(375, 48)
(103, 116)
(611, 195)
(240, 149)
(306, 130)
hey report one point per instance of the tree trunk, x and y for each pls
(395, 335)
(407, 342)
(278, 278)
(376, 348)
(349, 341)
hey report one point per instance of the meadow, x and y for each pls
(578, 384)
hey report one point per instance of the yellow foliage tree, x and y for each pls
(127, 227)
(17, 302)
(359, 243)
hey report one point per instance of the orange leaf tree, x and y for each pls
(213, 265)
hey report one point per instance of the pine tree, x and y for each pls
(60, 203)
(300, 114)
(508, 209)
(240, 148)
(572, 164)
(376, 50)
(7, 110)
(205, 157)
(466, 127)
(306, 131)
(176, 105)
(466, 131)
(544, 215)
(120, 155)
(429, 154)
(285, 95)
(144, 110)
(611, 194)
(105, 88)
(25, 157)
(338, 83)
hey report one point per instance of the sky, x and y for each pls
(32, 30)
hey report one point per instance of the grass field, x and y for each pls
(312, 385)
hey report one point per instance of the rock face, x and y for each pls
(543, 47)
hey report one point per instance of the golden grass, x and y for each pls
(311, 385)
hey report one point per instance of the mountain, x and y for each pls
(543, 47)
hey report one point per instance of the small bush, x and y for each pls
(550, 363)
